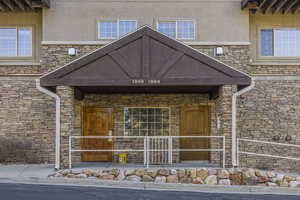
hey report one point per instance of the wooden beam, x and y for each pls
(9, 4)
(3, 8)
(290, 6)
(29, 3)
(20, 5)
(262, 4)
(279, 6)
(296, 8)
(269, 7)
(244, 4)
(40, 3)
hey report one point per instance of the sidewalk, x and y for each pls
(37, 174)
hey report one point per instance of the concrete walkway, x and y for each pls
(38, 174)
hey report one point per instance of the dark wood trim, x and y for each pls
(118, 58)
(273, 6)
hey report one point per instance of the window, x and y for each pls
(180, 29)
(147, 121)
(280, 42)
(15, 42)
(116, 29)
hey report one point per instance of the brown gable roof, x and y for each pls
(145, 58)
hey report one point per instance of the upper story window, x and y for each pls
(179, 29)
(15, 42)
(280, 42)
(116, 29)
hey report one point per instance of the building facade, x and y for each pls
(150, 68)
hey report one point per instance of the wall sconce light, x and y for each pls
(219, 51)
(72, 52)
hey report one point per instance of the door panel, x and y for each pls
(194, 122)
(97, 122)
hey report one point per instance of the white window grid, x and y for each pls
(181, 32)
(165, 126)
(283, 45)
(20, 46)
(118, 32)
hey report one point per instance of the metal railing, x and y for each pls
(262, 154)
(156, 149)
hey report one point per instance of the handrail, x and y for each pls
(263, 154)
(147, 147)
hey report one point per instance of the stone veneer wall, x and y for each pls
(271, 112)
(26, 122)
(254, 110)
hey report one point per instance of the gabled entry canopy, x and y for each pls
(145, 61)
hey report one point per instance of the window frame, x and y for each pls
(17, 57)
(131, 107)
(118, 28)
(176, 27)
(273, 58)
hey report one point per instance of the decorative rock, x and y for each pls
(249, 173)
(129, 172)
(260, 173)
(57, 175)
(283, 184)
(151, 173)
(192, 173)
(181, 173)
(147, 178)
(262, 179)
(87, 172)
(197, 180)
(297, 178)
(139, 172)
(211, 180)
(294, 184)
(160, 179)
(76, 171)
(121, 176)
(71, 176)
(173, 171)
(249, 181)
(163, 172)
(289, 178)
(108, 177)
(224, 182)
(133, 178)
(271, 184)
(97, 173)
(202, 173)
(223, 174)
(186, 180)
(271, 175)
(114, 172)
(212, 172)
(80, 176)
(172, 179)
(236, 178)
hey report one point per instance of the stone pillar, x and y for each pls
(67, 117)
(224, 112)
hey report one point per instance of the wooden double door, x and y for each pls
(97, 121)
(195, 122)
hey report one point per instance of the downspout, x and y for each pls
(57, 121)
(234, 108)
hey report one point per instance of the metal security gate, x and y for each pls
(159, 150)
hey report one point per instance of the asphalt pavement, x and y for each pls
(13, 191)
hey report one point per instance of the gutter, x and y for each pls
(233, 127)
(57, 121)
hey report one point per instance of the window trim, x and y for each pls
(259, 57)
(9, 58)
(118, 28)
(176, 27)
(162, 107)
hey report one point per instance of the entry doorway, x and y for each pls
(195, 122)
(97, 121)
